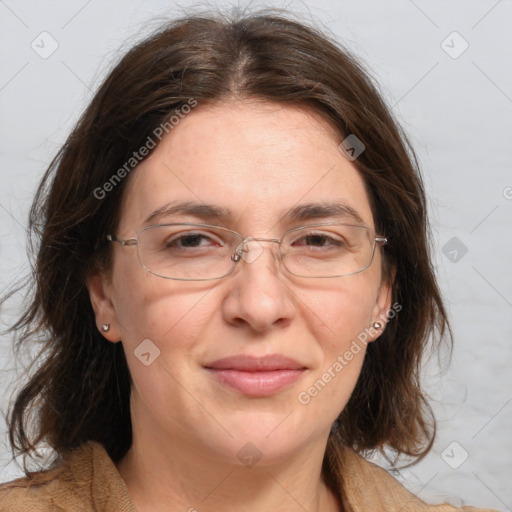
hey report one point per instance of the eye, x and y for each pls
(192, 240)
(320, 240)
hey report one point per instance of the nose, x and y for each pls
(258, 297)
(250, 248)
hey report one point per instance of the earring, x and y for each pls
(377, 325)
(105, 327)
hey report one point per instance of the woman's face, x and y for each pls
(255, 161)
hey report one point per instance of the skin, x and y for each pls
(255, 159)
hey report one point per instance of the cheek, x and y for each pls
(171, 318)
(168, 313)
(337, 318)
(337, 315)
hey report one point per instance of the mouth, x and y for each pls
(256, 376)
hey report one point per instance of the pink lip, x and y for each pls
(257, 376)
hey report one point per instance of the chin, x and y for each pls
(271, 437)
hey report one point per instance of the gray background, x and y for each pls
(456, 106)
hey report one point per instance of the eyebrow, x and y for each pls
(200, 210)
(302, 212)
(317, 210)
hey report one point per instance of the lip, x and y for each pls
(256, 376)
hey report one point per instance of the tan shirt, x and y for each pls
(88, 481)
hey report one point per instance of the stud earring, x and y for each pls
(377, 325)
(105, 327)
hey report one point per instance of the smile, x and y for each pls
(258, 377)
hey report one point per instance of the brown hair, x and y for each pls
(80, 390)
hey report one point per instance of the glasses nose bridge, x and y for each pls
(259, 239)
(255, 239)
(241, 248)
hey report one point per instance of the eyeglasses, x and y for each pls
(202, 252)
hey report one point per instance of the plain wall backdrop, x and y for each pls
(444, 68)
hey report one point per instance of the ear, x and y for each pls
(100, 290)
(382, 309)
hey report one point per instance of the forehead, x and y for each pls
(254, 160)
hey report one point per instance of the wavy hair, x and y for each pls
(80, 387)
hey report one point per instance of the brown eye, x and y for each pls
(190, 240)
(318, 240)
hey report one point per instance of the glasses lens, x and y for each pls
(328, 250)
(187, 251)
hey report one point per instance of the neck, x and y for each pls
(196, 480)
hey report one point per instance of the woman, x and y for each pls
(234, 283)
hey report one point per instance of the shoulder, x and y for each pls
(85, 480)
(370, 487)
(47, 490)
(36, 493)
